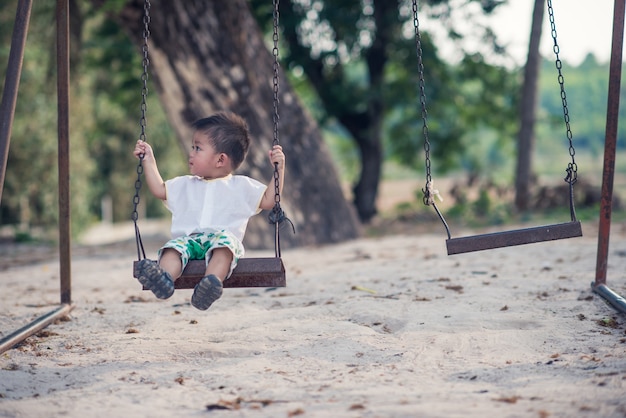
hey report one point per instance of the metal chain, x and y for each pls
(572, 167)
(142, 122)
(146, 65)
(276, 117)
(277, 215)
(428, 198)
(428, 190)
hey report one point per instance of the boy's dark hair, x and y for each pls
(228, 132)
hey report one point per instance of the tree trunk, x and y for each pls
(366, 189)
(366, 131)
(369, 135)
(528, 109)
(363, 116)
(207, 56)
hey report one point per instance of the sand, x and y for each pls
(376, 327)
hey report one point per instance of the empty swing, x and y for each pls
(250, 272)
(510, 238)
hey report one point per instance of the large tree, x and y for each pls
(209, 55)
(360, 62)
(360, 107)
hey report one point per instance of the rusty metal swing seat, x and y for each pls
(510, 238)
(514, 237)
(249, 272)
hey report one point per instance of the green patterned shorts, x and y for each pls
(199, 246)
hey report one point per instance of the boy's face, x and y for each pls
(204, 161)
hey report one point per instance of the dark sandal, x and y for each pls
(207, 291)
(154, 278)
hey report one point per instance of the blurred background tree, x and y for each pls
(104, 90)
(359, 61)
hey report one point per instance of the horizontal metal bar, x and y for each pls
(37, 325)
(250, 272)
(514, 237)
(617, 301)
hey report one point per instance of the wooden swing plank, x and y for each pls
(250, 272)
(514, 237)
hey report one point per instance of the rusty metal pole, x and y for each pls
(62, 18)
(11, 340)
(11, 82)
(63, 82)
(610, 141)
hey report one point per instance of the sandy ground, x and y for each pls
(380, 327)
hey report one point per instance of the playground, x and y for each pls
(389, 327)
(379, 326)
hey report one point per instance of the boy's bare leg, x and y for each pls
(219, 263)
(209, 289)
(170, 262)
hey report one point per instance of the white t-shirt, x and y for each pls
(199, 205)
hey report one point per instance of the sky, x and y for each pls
(582, 26)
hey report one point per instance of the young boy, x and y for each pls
(210, 207)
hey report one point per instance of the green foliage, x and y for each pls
(471, 115)
(104, 124)
(472, 106)
(30, 192)
(113, 70)
(586, 89)
(335, 50)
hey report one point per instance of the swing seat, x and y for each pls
(250, 272)
(515, 237)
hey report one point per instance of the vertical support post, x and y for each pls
(610, 141)
(63, 81)
(12, 81)
(6, 118)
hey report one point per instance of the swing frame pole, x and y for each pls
(21, 27)
(63, 132)
(12, 81)
(608, 172)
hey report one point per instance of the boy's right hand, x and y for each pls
(143, 150)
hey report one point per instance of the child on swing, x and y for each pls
(210, 207)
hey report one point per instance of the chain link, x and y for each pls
(572, 167)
